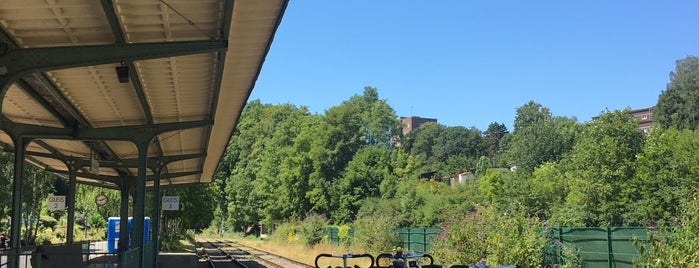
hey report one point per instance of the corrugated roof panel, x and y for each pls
(96, 92)
(182, 142)
(41, 23)
(21, 108)
(128, 150)
(154, 20)
(49, 163)
(185, 165)
(179, 88)
(176, 89)
(69, 147)
(240, 72)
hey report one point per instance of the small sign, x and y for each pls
(171, 203)
(57, 202)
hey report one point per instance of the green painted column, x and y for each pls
(139, 200)
(124, 218)
(70, 202)
(155, 221)
(16, 227)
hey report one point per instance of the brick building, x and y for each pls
(644, 117)
(414, 122)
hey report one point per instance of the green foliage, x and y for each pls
(539, 137)
(677, 106)
(599, 170)
(571, 257)
(667, 172)
(507, 238)
(492, 138)
(447, 150)
(95, 220)
(171, 241)
(375, 234)
(48, 222)
(285, 233)
(676, 247)
(483, 164)
(360, 180)
(196, 207)
(492, 184)
(311, 229)
(548, 190)
(343, 233)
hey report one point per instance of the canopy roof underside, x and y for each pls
(206, 86)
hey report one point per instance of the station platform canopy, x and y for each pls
(87, 72)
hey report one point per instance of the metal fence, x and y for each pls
(611, 247)
(417, 239)
(333, 236)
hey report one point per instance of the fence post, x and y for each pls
(560, 249)
(609, 247)
(424, 239)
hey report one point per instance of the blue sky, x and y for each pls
(472, 62)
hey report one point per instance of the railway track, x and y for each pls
(226, 254)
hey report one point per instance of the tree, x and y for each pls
(678, 105)
(599, 170)
(666, 174)
(38, 184)
(360, 180)
(357, 123)
(539, 137)
(492, 137)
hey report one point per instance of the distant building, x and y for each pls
(644, 117)
(463, 177)
(414, 122)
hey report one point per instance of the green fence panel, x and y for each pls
(417, 239)
(332, 234)
(610, 247)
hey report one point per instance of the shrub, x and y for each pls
(311, 229)
(505, 238)
(343, 232)
(285, 233)
(48, 222)
(672, 247)
(375, 234)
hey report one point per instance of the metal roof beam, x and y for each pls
(180, 174)
(29, 90)
(15, 63)
(110, 179)
(124, 133)
(125, 163)
(113, 19)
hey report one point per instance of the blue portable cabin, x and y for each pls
(113, 225)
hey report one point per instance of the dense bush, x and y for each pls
(505, 238)
(311, 229)
(375, 234)
(343, 232)
(673, 247)
(48, 222)
(285, 233)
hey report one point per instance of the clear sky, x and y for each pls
(473, 62)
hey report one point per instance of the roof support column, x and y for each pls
(152, 261)
(16, 227)
(70, 202)
(124, 218)
(139, 199)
